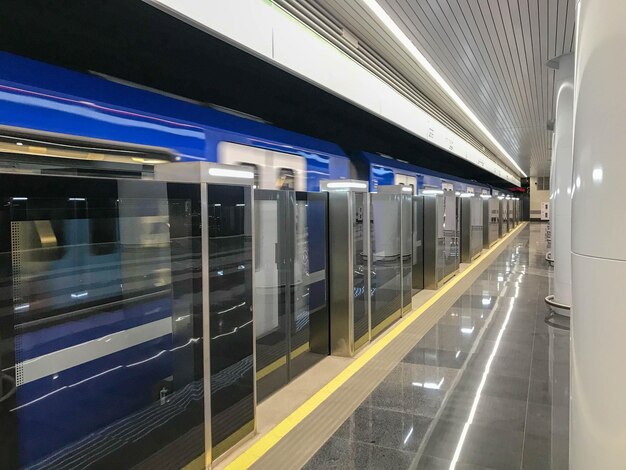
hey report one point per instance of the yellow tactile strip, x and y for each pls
(303, 425)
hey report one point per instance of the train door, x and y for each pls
(289, 171)
(272, 170)
(406, 180)
(252, 157)
(290, 292)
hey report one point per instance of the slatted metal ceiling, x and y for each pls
(319, 19)
(493, 53)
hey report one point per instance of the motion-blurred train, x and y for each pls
(92, 316)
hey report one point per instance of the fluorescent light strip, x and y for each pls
(432, 191)
(421, 59)
(231, 173)
(347, 184)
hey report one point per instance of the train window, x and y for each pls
(286, 179)
(45, 237)
(103, 235)
(255, 170)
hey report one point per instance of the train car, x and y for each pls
(45, 102)
(382, 170)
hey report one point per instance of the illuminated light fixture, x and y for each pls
(346, 185)
(508, 197)
(76, 199)
(457, 193)
(423, 62)
(467, 331)
(429, 192)
(19, 199)
(500, 197)
(240, 205)
(407, 189)
(485, 196)
(467, 195)
(79, 295)
(227, 172)
(19, 143)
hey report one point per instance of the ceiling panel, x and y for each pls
(493, 53)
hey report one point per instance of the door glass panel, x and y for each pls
(101, 331)
(451, 247)
(476, 222)
(230, 304)
(359, 270)
(270, 302)
(386, 269)
(494, 225)
(407, 252)
(418, 244)
(310, 322)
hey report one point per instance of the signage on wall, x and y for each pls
(447, 186)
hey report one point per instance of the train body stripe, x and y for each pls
(73, 356)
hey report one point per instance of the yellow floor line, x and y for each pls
(269, 440)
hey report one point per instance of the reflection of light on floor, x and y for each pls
(430, 385)
(406, 439)
(467, 331)
(479, 390)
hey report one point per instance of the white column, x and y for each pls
(598, 335)
(561, 180)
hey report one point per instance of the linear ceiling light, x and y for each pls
(421, 59)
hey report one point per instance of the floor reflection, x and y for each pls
(486, 387)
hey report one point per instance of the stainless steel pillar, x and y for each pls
(350, 265)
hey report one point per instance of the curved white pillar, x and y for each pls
(598, 334)
(561, 181)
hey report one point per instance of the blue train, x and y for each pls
(49, 111)
(41, 98)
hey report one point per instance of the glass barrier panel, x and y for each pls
(310, 323)
(230, 307)
(418, 244)
(101, 323)
(270, 302)
(407, 252)
(386, 256)
(359, 270)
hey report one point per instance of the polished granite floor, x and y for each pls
(486, 387)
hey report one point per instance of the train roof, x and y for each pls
(60, 81)
(377, 159)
